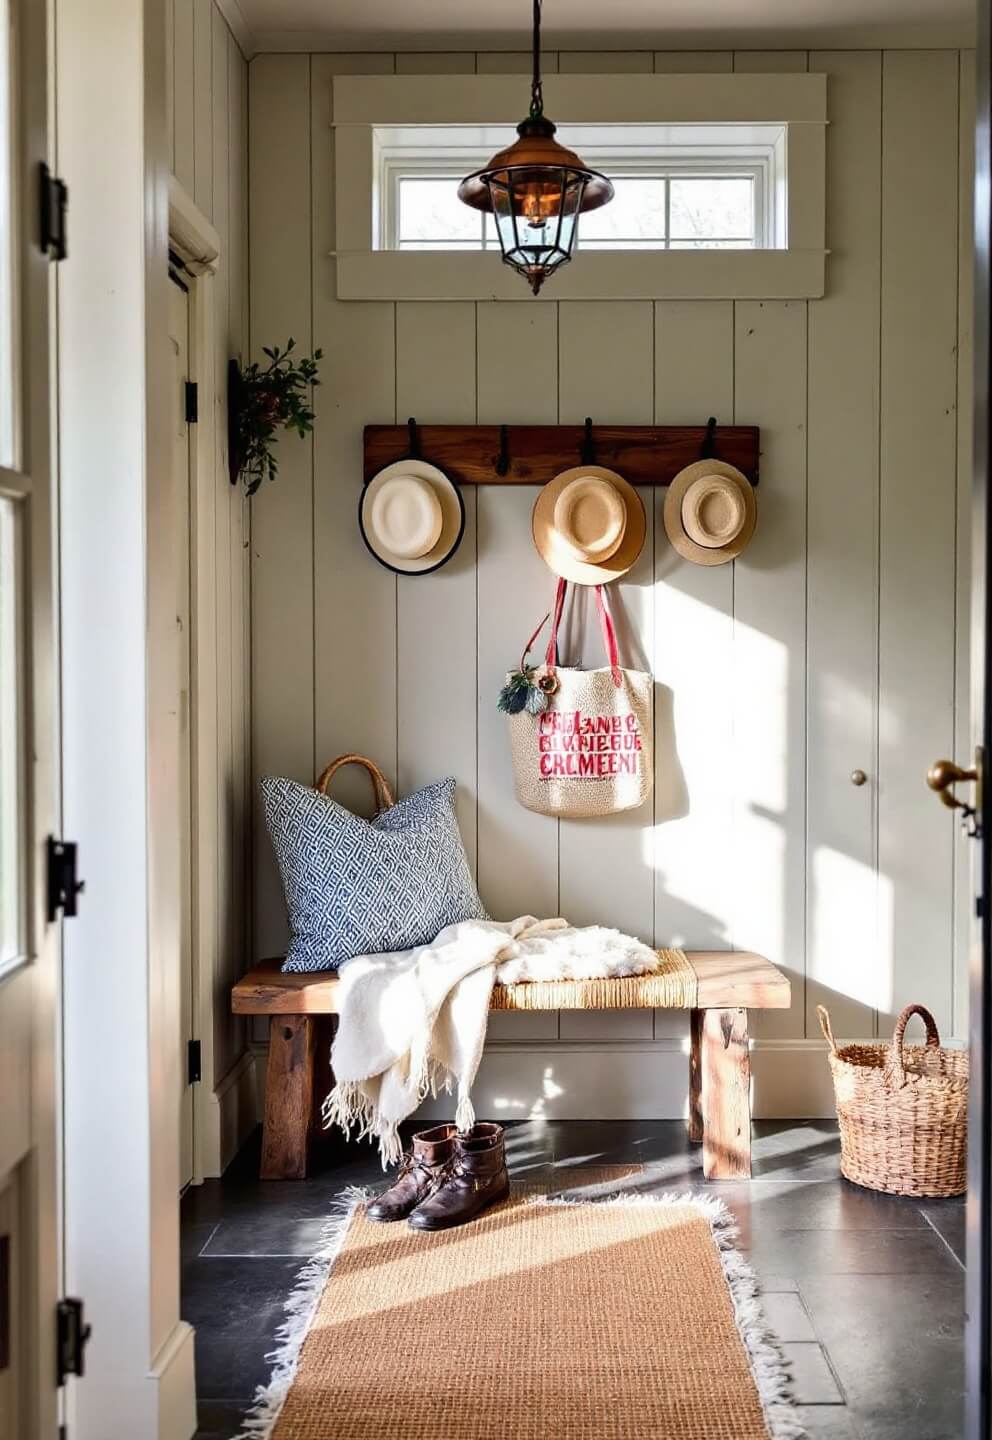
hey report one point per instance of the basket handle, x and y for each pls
(828, 1034)
(384, 799)
(894, 1067)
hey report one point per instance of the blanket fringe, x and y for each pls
(464, 1115)
(768, 1366)
(348, 1107)
(300, 1308)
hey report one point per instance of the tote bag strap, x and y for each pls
(606, 625)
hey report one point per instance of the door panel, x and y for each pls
(29, 953)
(179, 340)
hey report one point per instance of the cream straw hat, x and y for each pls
(589, 525)
(411, 517)
(710, 512)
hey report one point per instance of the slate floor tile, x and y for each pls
(787, 1316)
(948, 1218)
(829, 1422)
(896, 1345)
(850, 1252)
(613, 1142)
(250, 1234)
(219, 1419)
(235, 1307)
(813, 1381)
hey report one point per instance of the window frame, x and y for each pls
(795, 102)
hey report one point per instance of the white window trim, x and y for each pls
(797, 101)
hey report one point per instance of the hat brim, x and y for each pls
(452, 518)
(681, 542)
(561, 560)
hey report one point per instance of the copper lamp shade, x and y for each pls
(536, 189)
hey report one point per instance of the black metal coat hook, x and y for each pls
(707, 451)
(587, 450)
(411, 426)
(503, 458)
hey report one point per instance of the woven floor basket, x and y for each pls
(903, 1111)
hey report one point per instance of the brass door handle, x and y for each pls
(942, 776)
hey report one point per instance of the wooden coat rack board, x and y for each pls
(534, 454)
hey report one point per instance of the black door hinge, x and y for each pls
(54, 200)
(192, 403)
(72, 1335)
(193, 1062)
(63, 886)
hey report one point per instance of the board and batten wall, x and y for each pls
(208, 132)
(837, 642)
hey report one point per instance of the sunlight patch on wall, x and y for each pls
(851, 914)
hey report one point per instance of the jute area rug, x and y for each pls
(548, 1317)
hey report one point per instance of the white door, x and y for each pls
(179, 339)
(29, 950)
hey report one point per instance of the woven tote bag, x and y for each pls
(581, 741)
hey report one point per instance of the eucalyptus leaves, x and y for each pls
(523, 691)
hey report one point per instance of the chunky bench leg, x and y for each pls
(695, 1125)
(289, 1098)
(726, 1095)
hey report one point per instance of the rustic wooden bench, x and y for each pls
(721, 986)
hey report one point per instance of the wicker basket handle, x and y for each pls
(384, 799)
(828, 1034)
(895, 1069)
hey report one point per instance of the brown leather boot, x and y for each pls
(420, 1173)
(475, 1178)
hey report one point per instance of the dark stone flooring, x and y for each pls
(865, 1291)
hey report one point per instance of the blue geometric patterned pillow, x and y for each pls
(361, 887)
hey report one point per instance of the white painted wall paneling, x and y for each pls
(693, 664)
(756, 837)
(917, 523)
(844, 942)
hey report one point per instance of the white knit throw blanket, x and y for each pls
(412, 1021)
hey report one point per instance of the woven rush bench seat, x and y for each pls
(717, 987)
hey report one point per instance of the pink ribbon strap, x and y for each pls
(606, 625)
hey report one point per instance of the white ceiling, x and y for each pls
(596, 24)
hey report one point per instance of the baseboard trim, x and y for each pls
(174, 1375)
(227, 1117)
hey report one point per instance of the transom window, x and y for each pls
(676, 187)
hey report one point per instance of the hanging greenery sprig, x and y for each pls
(265, 399)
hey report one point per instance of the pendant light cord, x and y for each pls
(537, 89)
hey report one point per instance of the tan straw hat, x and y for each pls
(411, 517)
(589, 525)
(710, 512)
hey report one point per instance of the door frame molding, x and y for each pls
(219, 1106)
(978, 1329)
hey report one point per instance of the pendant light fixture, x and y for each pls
(536, 189)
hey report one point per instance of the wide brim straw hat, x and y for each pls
(710, 512)
(412, 517)
(589, 525)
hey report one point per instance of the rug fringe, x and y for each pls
(768, 1366)
(300, 1309)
